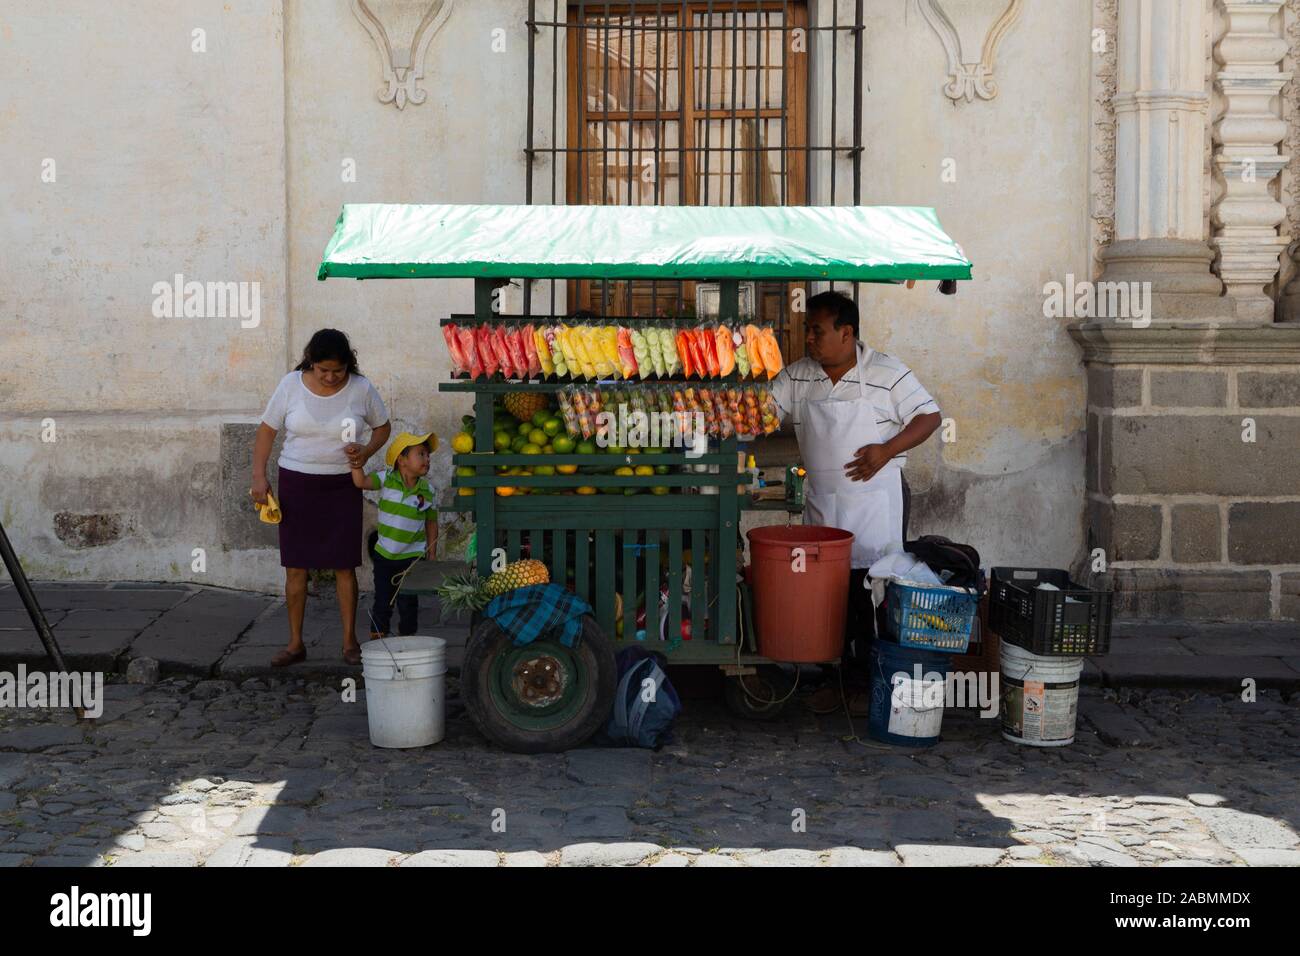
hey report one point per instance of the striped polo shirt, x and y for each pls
(892, 389)
(402, 514)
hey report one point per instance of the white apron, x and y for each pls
(830, 434)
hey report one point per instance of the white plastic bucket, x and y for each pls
(916, 707)
(1040, 697)
(405, 703)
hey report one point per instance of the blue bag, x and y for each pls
(635, 721)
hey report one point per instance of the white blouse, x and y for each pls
(317, 427)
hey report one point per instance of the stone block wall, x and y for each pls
(1193, 471)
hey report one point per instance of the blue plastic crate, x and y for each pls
(934, 619)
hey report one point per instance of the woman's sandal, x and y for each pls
(352, 655)
(285, 658)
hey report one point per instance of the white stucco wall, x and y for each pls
(226, 166)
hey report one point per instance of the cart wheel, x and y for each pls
(771, 683)
(542, 697)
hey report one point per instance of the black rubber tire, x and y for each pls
(770, 683)
(593, 651)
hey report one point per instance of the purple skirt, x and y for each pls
(320, 527)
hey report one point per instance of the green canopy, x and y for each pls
(846, 243)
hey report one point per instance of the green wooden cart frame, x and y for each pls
(619, 544)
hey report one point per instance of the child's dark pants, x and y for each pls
(408, 605)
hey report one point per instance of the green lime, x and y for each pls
(518, 444)
(524, 428)
(528, 448)
(465, 471)
(553, 426)
(501, 441)
(538, 437)
(586, 447)
(543, 469)
(661, 469)
(659, 490)
(615, 450)
(541, 418)
(563, 444)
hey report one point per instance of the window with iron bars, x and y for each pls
(692, 102)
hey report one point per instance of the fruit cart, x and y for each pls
(654, 546)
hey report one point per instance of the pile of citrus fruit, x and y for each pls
(543, 433)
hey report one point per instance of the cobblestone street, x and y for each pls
(185, 772)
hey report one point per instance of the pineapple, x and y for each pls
(517, 574)
(524, 405)
(469, 592)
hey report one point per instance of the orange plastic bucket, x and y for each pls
(800, 596)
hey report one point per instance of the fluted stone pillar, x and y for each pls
(1193, 495)
(1246, 217)
(1161, 108)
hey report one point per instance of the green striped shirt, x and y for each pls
(402, 513)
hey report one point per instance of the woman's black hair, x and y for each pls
(329, 345)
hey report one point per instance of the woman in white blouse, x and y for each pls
(325, 405)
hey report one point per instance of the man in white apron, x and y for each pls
(856, 414)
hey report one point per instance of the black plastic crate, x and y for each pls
(1071, 622)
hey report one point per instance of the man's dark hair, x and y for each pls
(837, 305)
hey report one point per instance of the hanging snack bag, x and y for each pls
(668, 348)
(543, 351)
(472, 363)
(772, 362)
(654, 352)
(487, 353)
(578, 399)
(741, 353)
(459, 363)
(684, 353)
(726, 354)
(564, 337)
(580, 336)
(566, 411)
(641, 352)
(529, 341)
(752, 336)
(502, 347)
(626, 353)
(518, 353)
(707, 345)
(589, 342)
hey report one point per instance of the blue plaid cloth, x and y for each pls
(533, 612)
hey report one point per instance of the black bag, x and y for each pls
(961, 562)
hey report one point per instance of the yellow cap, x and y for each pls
(404, 441)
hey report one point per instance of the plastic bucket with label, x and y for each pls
(908, 689)
(1040, 697)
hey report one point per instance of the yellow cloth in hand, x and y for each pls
(269, 512)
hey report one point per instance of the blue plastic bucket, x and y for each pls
(903, 709)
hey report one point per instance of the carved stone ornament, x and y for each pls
(402, 30)
(969, 77)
